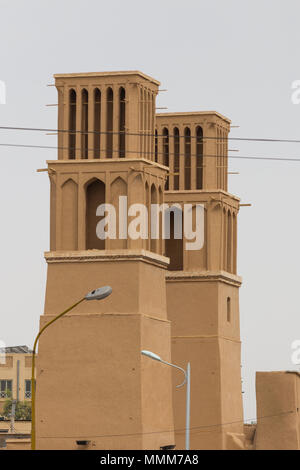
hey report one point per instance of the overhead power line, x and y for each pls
(138, 152)
(145, 133)
(195, 428)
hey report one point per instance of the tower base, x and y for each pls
(93, 385)
(204, 334)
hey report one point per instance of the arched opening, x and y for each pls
(119, 190)
(149, 215)
(137, 221)
(109, 123)
(156, 146)
(234, 242)
(84, 123)
(69, 208)
(176, 157)
(72, 124)
(161, 214)
(147, 124)
(122, 103)
(174, 244)
(187, 158)
(199, 158)
(224, 223)
(95, 195)
(229, 243)
(154, 241)
(144, 104)
(141, 120)
(97, 122)
(166, 153)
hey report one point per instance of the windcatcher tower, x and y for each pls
(92, 382)
(202, 285)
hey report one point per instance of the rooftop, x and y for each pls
(107, 74)
(194, 113)
(16, 350)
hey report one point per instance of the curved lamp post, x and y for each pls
(187, 381)
(97, 294)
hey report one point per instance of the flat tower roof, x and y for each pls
(194, 113)
(107, 74)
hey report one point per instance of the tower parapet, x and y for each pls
(194, 145)
(106, 115)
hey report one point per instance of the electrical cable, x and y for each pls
(138, 152)
(145, 133)
(172, 430)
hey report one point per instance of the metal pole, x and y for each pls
(188, 406)
(18, 380)
(33, 416)
(187, 381)
(12, 416)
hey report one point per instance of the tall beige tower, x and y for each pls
(92, 382)
(202, 285)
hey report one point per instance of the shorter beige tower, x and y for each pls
(278, 405)
(202, 284)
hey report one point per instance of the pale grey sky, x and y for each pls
(237, 57)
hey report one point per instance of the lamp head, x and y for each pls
(99, 294)
(151, 355)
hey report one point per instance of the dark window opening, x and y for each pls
(27, 388)
(122, 124)
(174, 246)
(97, 122)
(5, 388)
(154, 200)
(84, 124)
(199, 158)
(166, 153)
(228, 309)
(229, 243)
(187, 158)
(109, 124)
(72, 124)
(176, 157)
(95, 195)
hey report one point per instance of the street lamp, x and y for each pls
(97, 294)
(187, 381)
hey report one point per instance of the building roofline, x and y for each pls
(195, 113)
(23, 349)
(107, 74)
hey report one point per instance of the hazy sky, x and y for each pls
(237, 57)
